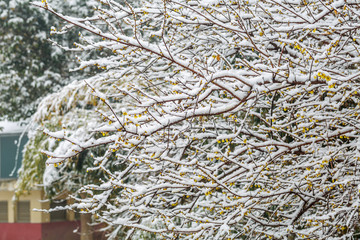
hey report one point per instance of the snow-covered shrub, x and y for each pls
(229, 119)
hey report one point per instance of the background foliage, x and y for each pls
(30, 66)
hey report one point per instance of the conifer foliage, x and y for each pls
(30, 67)
(27, 67)
(221, 119)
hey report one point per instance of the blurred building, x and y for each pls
(18, 219)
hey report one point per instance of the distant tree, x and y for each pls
(30, 67)
(230, 119)
(67, 178)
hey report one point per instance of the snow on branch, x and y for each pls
(221, 119)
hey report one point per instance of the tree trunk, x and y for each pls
(86, 231)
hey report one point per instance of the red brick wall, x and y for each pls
(20, 231)
(61, 230)
(40, 231)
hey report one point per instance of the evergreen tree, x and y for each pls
(30, 66)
